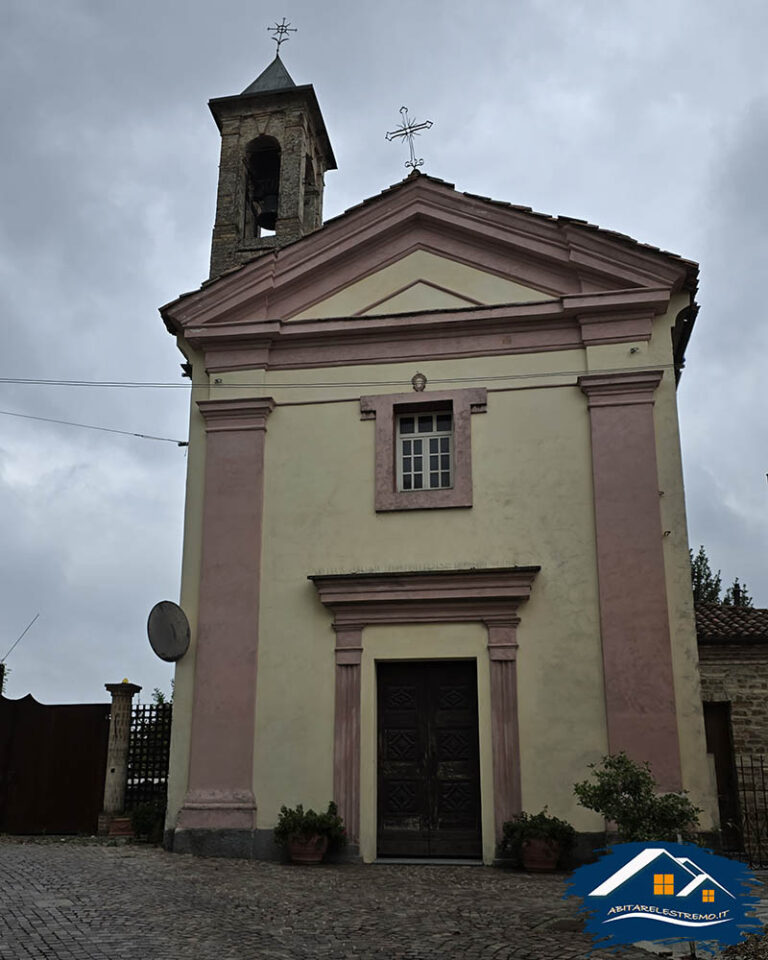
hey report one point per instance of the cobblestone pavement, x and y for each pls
(69, 900)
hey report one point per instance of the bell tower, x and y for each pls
(274, 154)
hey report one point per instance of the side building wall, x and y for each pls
(738, 674)
(734, 687)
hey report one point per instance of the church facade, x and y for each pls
(435, 556)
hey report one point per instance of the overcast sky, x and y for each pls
(646, 117)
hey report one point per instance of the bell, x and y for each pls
(267, 215)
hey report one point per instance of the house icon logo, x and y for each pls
(665, 891)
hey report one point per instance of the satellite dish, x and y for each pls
(168, 630)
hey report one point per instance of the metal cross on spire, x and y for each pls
(410, 129)
(280, 32)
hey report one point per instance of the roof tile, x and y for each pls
(717, 623)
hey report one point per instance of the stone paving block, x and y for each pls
(89, 901)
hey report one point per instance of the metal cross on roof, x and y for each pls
(410, 129)
(280, 32)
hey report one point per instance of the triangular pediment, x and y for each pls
(421, 245)
(420, 280)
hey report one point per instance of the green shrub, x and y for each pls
(626, 793)
(305, 824)
(537, 826)
(147, 822)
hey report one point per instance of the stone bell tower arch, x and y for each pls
(274, 154)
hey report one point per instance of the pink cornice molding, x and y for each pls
(562, 255)
(599, 328)
(568, 323)
(249, 414)
(618, 389)
(484, 595)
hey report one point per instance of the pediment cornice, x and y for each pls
(561, 258)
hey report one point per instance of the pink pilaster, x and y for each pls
(505, 741)
(220, 794)
(634, 620)
(346, 745)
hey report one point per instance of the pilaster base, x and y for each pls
(218, 810)
(234, 844)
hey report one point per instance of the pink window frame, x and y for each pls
(385, 408)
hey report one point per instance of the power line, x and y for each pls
(90, 426)
(14, 645)
(310, 385)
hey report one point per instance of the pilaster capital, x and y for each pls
(236, 414)
(350, 628)
(502, 637)
(618, 389)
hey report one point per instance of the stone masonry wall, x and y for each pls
(290, 125)
(739, 674)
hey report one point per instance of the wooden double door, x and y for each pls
(428, 760)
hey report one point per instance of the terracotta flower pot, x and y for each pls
(307, 849)
(540, 856)
(120, 827)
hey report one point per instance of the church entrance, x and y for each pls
(428, 760)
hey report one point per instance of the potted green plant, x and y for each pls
(307, 835)
(627, 795)
(538, 840)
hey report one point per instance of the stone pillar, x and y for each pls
(117, 751)
(346, 741)
(505, 739)
(634, 619)
(220, 804)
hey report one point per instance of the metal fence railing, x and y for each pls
(752, 776)
(148, 756)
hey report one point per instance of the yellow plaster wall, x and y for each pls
(533, 505)
(421, 296)
(467, 283)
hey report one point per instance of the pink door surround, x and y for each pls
(490, 596)
(220, 790)
(634, 618)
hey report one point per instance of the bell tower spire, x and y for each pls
(274, 154)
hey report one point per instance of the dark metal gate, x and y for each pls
(52, 762)
(148, 756)
(752, 773)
